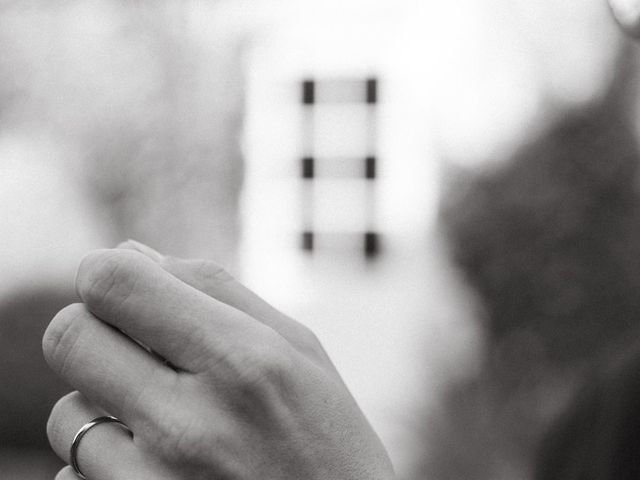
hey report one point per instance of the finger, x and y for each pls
(106, 451)
(627, 15)
(105, 365)
(66, 473)
(182, 324)
(215, 281)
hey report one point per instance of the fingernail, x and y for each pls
(144, 249)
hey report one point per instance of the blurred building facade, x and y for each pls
(338, 213)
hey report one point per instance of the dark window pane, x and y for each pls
(308, 92)
(371, 244)
(370, 168)
(307, 241)
(308, 168)
(372, 90)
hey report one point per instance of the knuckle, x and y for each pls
(183, 438)
(308, 340)
(261, 364)
(205, 272)
(307, 343)
(201, 449)
(61, 336)
(106, 278)
(213, 272)
(261, 380)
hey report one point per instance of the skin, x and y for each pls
(627, 14)
(247, 393)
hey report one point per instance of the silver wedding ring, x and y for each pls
(73, 454)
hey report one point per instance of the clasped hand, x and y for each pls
(213, 382)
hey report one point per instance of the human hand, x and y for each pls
(249, 393)
(627, 14)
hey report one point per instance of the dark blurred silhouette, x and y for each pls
(551, 242)
(29, 388)
(598, 436)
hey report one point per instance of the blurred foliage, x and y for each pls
(29, 388)
(146, 99)
(551, 242)
(598, 437)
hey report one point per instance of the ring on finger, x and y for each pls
(73, 453)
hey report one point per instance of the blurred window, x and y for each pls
(339, 163)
